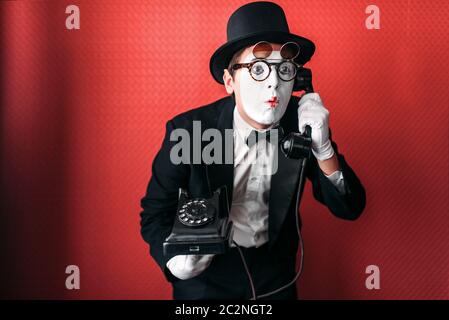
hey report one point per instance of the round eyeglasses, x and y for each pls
(260, 69)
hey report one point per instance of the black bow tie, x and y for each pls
(256, 136)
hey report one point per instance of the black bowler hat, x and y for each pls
(254, 22)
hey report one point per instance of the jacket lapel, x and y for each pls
(283, 184)
(223, 174)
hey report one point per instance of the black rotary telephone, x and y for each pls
(202, 226)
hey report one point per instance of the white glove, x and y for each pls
(312, 112)
(188, 266)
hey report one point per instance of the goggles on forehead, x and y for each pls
(288, 51)
(260, 69)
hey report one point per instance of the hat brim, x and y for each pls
(223, 55)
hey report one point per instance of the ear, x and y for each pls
(228, 81)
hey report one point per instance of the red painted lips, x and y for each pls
(273, 102)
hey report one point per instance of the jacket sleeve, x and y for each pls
(160, 201)
(348, 206)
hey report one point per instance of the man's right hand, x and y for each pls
(188, 266)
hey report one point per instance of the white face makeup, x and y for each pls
(255, 94)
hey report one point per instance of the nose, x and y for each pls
(273, 79)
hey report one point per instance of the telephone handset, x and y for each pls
(303, 80)
(295, 145)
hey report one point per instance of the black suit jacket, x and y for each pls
(160, 201)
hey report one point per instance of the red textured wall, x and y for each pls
(83, 113)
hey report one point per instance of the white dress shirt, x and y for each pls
(253, 168)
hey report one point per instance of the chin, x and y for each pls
(272, 116)
(268, 119)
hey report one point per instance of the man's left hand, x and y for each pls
(312, 112)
